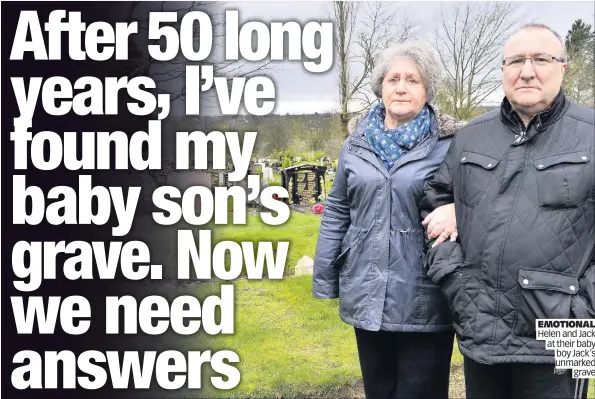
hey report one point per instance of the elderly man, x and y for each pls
(522, 179)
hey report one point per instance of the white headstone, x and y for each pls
(267, 173)
(305, 266)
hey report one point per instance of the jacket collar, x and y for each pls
(540, 121)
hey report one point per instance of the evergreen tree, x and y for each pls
(578, 39)
(579, 83)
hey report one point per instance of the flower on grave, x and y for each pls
(318, 208)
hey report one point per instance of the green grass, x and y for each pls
(290, 344)
(457, 357)
(301, 231)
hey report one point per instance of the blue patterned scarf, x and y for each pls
(391, 144)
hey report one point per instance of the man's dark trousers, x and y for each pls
(521, 381)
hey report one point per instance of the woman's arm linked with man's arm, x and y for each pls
(444, 257)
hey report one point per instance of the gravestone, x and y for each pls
(267, 174)
(305, 266)
(256, 169)
(303, 183)
(219, 179)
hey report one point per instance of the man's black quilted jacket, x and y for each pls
(525, 205)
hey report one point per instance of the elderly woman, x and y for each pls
(371, 246)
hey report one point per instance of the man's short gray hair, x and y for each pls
(421, 53)
(546, 27)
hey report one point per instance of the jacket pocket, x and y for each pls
(476, 175)
(412, 246)
(340, 261)
(563, 180)
(350, 245)
(543, 295)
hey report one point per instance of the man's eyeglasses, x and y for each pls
(517, 61)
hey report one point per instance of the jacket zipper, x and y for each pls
(524, 129)
(519, 137)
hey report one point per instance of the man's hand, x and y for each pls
(441, 224)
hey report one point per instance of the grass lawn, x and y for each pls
(301, 231)
(290, 345)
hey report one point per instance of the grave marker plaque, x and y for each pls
(303, 183)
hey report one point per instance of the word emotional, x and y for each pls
(573, 343)
(195, 30)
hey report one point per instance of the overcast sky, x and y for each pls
(299, 91)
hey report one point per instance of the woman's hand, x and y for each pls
(441, 224)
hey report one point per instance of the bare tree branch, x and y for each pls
(363, 30)
(469, 41)
(170, 75)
